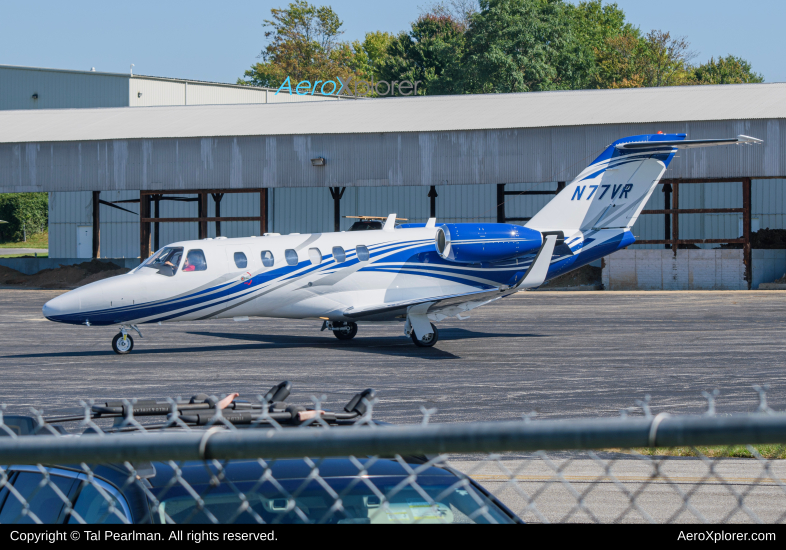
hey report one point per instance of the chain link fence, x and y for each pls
(211, 460)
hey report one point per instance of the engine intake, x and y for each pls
(473, 243)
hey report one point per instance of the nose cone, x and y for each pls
(58, 309)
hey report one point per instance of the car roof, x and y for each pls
(198, 473)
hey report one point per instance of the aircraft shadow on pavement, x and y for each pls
(385, 345)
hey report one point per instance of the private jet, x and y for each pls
(414, 274)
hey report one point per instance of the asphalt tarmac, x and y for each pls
(558, 354)
(625, 489)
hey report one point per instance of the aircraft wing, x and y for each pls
(455, 305)
(438, 303)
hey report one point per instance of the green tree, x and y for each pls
(461, 11)
(303, 44)
(525, 45)
(366, 58)
(26, 213)
(666, 60)
(630, 60)
(603, 30)
(429, 53)
(726, 70)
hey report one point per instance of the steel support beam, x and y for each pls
(666, 213)
(747, 253)
(96, 253)
(500, 203)
(675, 218)
(432, 195)
(217, 200)
(262, 211)
(202, 215)
(156, 228)
(337, 193)
(144, 226)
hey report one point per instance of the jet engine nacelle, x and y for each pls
(473, 243)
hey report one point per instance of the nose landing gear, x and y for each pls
(341, 330)
(122, 343)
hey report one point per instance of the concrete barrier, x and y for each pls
(696, 269)
(30, 266)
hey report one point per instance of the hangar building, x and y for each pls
(196, 171)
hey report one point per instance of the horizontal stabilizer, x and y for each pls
(687, 143)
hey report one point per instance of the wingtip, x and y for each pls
(749, 140)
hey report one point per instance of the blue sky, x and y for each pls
(217, 41)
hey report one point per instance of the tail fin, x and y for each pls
(611, 192)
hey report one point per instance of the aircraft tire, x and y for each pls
(347, 335)
(120, 347)
(429, 342)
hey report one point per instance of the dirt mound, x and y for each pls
(764, 239)
(583, 276)
(63, 277)
(769, 239)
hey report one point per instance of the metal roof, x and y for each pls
(402, 114)
(128, 75)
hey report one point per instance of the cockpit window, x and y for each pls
(240, 260)
(166, 260)
(195, 261)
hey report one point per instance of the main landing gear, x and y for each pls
(428, 340)
(122, 343)
(341, 330)
(347, 331)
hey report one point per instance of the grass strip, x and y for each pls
(776, 451)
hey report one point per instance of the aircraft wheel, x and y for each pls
(429, 340)
(346, 331)
(121, 346)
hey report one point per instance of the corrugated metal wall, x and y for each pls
(60, 90)
(310, 210)
(361, 160)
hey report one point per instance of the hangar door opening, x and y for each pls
(84, 241)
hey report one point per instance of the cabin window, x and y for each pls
(339, 255)
(166, 260)
(195, 261)
(315, 256)
(267, 258)
(362, 252)
(291, 256)
(240, 260)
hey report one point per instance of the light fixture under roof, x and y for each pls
(319, 161)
